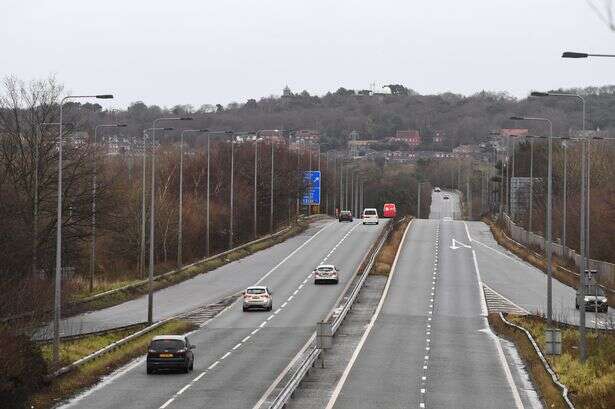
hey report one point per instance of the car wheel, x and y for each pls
(150, 370)
(337, 281)
(244, 308)
(270, 307)
(192, 365)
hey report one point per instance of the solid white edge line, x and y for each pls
(496, 339)
(355, 354)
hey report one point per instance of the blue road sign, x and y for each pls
(312, 192)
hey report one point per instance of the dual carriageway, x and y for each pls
(428, 345)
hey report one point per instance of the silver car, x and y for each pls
(326, 273)
(257, 297)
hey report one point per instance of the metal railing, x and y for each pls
(312, 351)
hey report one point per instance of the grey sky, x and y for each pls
(206, 51)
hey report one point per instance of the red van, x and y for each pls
(390, 210)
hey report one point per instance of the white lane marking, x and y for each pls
(293, 253)
(278, 310)
(167, 403)
(237, 346)
(199, 377)
(225, 355)
(496, 339)
(263, 324)
(290, 298)
(514, 304)
(296, 291)
(182, 390)
(355, 354)
(270, 317)
(255, 331)
(212, 366)
(284, 305)
(305, 281)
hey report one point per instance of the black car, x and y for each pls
(345, 215)
(170, 352)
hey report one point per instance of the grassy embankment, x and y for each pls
(591, 384)
(161, 282)
(386, 256)
(67, 385)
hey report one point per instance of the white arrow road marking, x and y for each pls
(456, 244)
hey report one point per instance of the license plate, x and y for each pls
(166, 355)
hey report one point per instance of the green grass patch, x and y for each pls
(592, 383)
(74, 349)
(67, 385)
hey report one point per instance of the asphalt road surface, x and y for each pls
(201, 290)
(239, 355)
(524, 284)
(430, 345)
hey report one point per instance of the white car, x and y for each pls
(326, 273)
(370, 216)
(258, 297)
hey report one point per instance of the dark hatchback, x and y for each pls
(345, 215)
(170, 352)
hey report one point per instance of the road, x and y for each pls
(430, 345)
(524, 284)
(187, 295)
(239, 355)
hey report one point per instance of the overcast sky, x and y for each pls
(218, 51)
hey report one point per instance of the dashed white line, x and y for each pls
(278, 310)
(182, 390)
(263, 324)
(284, 305)
(225, 355)
(295, 293)
(237, 346)
(245, 339)
(270, 317)
(167, 403)
(255, 331)
(212, 366)
(199, 377)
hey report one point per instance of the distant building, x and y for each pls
(411, 137)
(308, 136)
(514, 132)
(466, 151)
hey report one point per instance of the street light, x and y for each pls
(549, 209)
(58, 270)
(39, 138)
(181, 190)
(144, 155)
(94, 164)
(150, 297)
(573, 54)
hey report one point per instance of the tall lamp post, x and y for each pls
(94, 174)
(152, 213)
(181, 193)
(549, 210)
(57, 299)
(143, 190)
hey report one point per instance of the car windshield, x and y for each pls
(345, 212)
(325, 269)
(255, 291)
(166, 344)
(594, 290)
(369, 212)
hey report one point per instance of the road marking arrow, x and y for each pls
(457, 245)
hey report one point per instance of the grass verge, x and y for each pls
(549, 392)
(386, 256)
(592, 383)
(67, 385)
(560, 271)
(161, 282)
